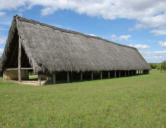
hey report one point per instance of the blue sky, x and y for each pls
(140, 24)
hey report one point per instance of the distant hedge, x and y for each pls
(159, 66)
(163, 66)
(155, 65)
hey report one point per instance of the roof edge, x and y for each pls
(68, 31)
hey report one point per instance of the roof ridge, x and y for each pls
(68, 31)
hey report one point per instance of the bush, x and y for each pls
(163, 66)
(154, 66)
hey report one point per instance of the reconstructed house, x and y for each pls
(56, 54)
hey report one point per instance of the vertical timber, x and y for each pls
(19, 59)
(39, 79)
(101, 75)
(54, 78)
(81, 76)
(91, 75)
(109, 76)
(68, 77)
(115, 73)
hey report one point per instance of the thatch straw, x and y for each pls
(53, 49)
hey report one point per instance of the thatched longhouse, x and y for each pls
(66, 55)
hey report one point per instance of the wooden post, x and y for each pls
(115, 73)
(147, 71)
(54, 78)
(109, 76)
(91, 75)
(124, 73)
(101, 75)
(128, 73)
(68, 77)
(81, 76)
(19, 59)
(39, 79)
(119, 73)
(71, 77)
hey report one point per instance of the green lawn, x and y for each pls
(131, 102)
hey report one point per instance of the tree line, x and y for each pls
(159, 66)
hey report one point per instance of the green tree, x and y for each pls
(163, 66)
(153, 66)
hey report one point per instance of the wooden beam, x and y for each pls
(19, 59)
(68, 77)
(81, 76)
(101, 75)
(128, 72)
(109, 76)
(54, 78)
(9, 69)
(39, 79)
(91, 75)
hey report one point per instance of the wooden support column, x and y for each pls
(54, 78)
(131, 73)
(91, 75)
(119, 73)
(115, 74)
(68, 77)
(19, 59)
(39, 79)
(128, 72)
(81, 76)
(109, 76)
(124, 73)
(101, 75)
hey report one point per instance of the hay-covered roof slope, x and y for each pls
(54, 49)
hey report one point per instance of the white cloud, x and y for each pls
(159, 32)
(92, 34)
(162, 44)
(149, 13)
(12, 4)
(154, 56)
(2, 13)
(120, 38)
(140, 46)
(2, 40)
(47, 11)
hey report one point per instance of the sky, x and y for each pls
(137, 23)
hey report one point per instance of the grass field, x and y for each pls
(131, 102)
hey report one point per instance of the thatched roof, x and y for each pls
(50, 49)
